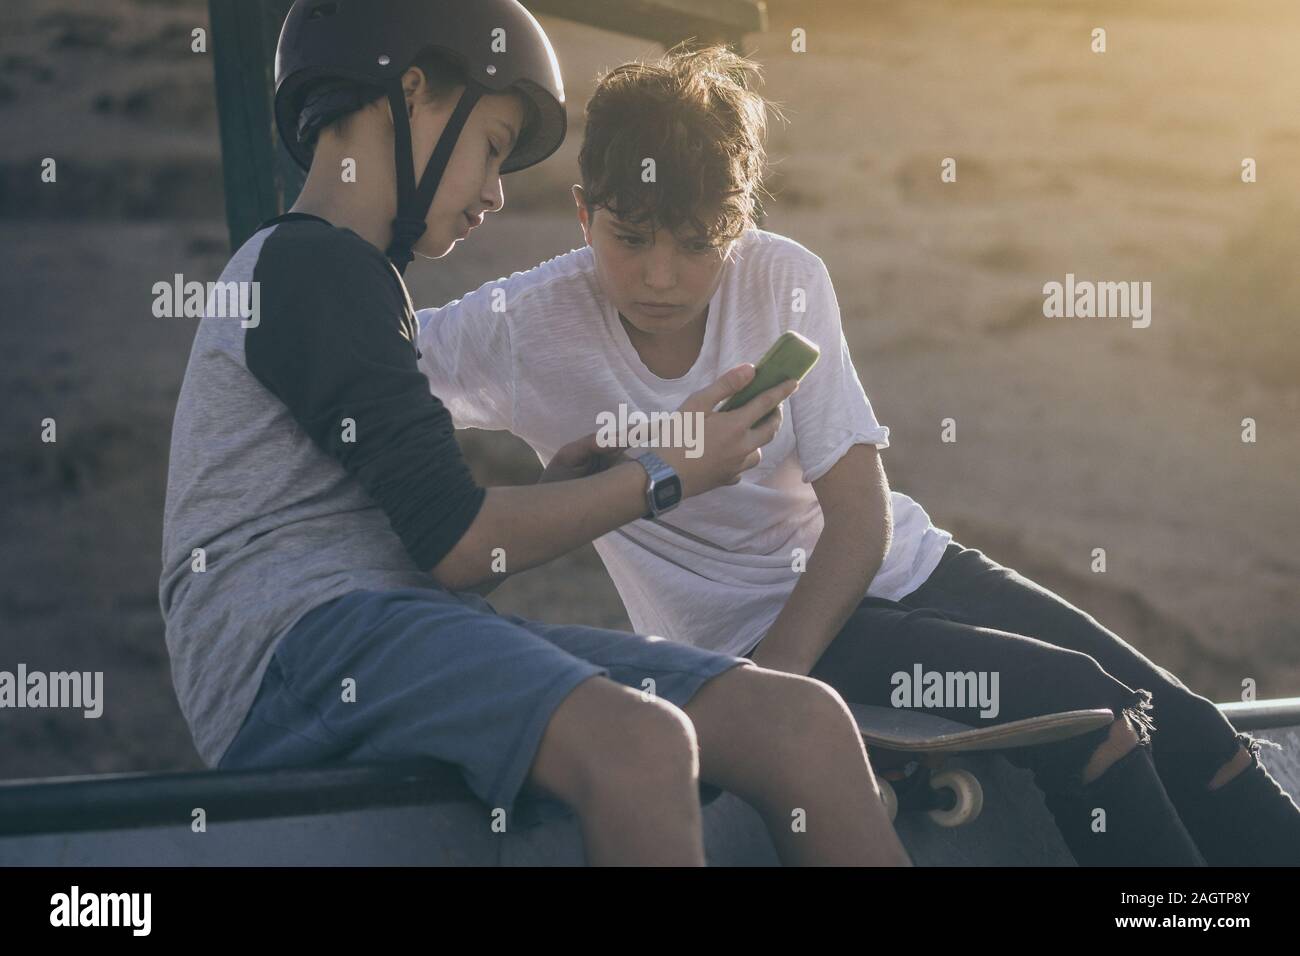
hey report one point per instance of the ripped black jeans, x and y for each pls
(973, 615)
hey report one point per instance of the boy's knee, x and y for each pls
(640, 743)
(605, 735)
(1083, 683)
(801, 708)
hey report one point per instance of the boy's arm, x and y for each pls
(581, 458)
(534, 524)
(854, 498)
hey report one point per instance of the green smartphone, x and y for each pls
(791, 356)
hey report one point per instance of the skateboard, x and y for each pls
(908, 749)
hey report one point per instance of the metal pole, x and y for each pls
(260, 178)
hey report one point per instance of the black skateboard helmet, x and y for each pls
(497, 43)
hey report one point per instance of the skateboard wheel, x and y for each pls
(968, 797)
(888, 798)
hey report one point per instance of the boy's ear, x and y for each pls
(584, 220)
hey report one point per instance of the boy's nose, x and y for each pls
(494, 195)
(660, 270)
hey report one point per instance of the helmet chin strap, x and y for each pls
(413, 201)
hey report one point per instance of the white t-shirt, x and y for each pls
(543, 353)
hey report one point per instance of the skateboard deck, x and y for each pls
(951, 797)
(914, 732)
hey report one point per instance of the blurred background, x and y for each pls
(1073, 434)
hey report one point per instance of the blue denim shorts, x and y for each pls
(443, 674)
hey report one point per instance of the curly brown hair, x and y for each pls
(695, 113)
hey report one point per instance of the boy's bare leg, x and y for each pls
(1122, 739)
(630, 771)
(1239, 762)
(788, 746)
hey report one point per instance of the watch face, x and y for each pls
(667, 493)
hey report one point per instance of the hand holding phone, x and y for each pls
(792, 356)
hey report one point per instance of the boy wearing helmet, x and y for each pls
(321, 524)
(810, 563)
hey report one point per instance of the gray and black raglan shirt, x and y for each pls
(308, 459)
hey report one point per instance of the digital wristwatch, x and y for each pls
(665, 489)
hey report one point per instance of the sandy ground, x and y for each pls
(1073, 434)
